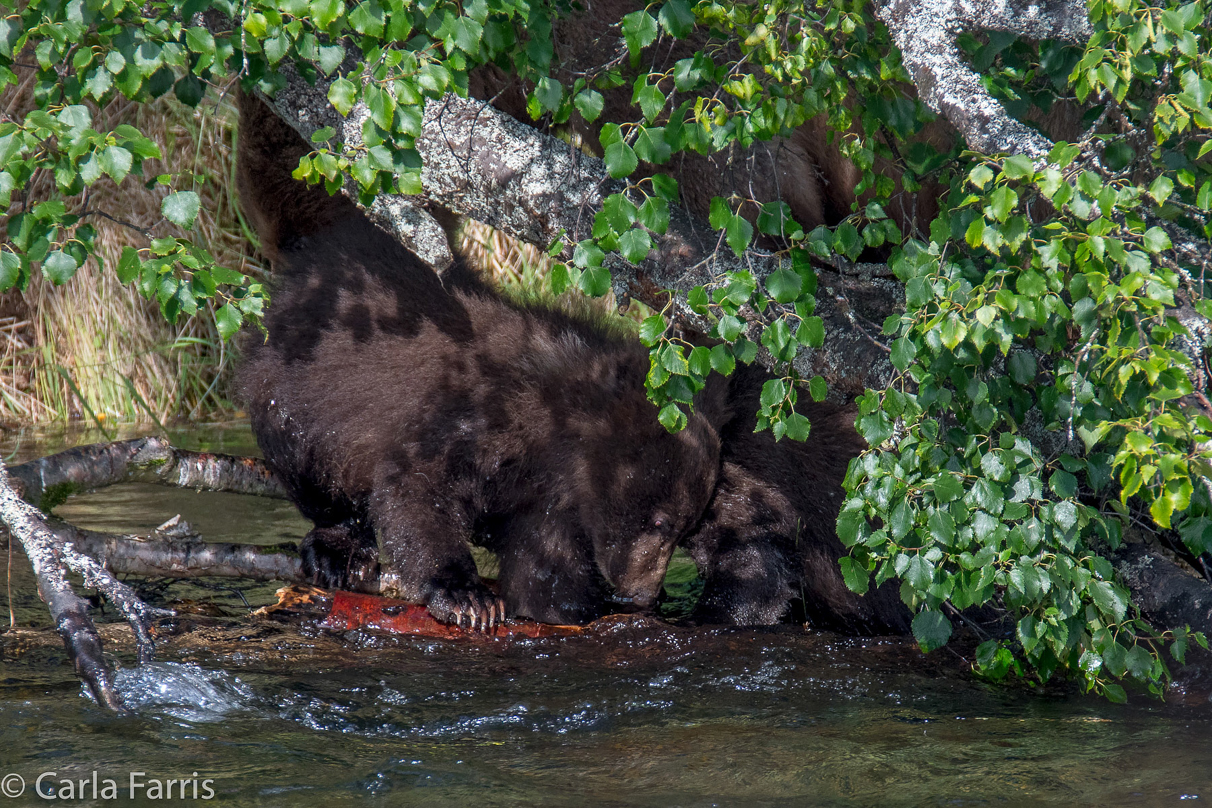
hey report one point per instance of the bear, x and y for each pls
(410, 414)
(768, 539)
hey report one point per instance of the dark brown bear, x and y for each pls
(409, 414)
(768, 539)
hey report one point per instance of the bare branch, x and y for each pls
(925, 32)
(169, 558)
(48, 480)
(68, 610)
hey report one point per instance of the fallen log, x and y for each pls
(46, 482)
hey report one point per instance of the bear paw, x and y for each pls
(475, 608)
(334, 559)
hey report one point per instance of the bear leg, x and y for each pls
(424, 537)
(547, 574)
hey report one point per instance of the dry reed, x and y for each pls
(96, 347)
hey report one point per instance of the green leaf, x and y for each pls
(326, 12)
(635, 245)
(931, 629)
(980, 176)
(847, 241)
(1065, 513)
(919, 572)
(1139, 662)
(559, 279)
(697, 298)
(587, 254)
(775, 220)
(595, 282)
(797, 427)
(1001, 202)
(331, 57)
(341, 95)
(10, 270)
(901, 521)
(200, 40)
(128, 265)
(719, 214)
(739, 233)
(722, 360)
(942, 526)
(650, 98)
(189, 90)
(549, 93)
(811, 332)
(620, 159)
(1156, 240)
(589, 103)
(639, 31)
(665, 186)
(817, 388)
(1019, 167)
(676, 18)
(467, 36)
(1108, 600)
(729, 327)
(774, 391)
(228, 319)
(652, 329)
(1022, 367)
(59, 267)
(947, 487)
(650, 145)
(654, 214)
(116, 162)
(1161, 509)
(1064, 485)
(672, 418)
(181, 208)
(855, 575)
(903, 352)
(784, 285)
(1161, 189)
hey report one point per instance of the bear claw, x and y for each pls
(475, 610)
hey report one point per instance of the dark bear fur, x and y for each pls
(409, 414)
(769, 539)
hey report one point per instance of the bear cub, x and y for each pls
(767, 545)
(409, 414)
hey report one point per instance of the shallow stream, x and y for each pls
(277, 714)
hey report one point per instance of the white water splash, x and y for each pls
(186, 692)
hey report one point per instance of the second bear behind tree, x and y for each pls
(409, 414)
(769, 537)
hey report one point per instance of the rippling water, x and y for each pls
(639, 714)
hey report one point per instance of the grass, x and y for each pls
(524, 271)
(95, 349)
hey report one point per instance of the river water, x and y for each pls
(261, 713)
